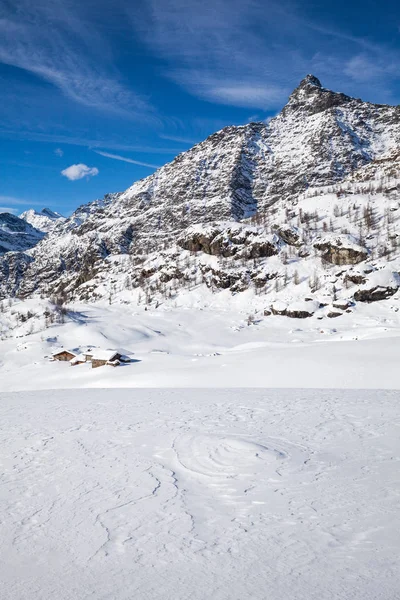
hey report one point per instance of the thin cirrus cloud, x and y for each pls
(79, 171)
(231, 52)
(128, 160)
(54, 41)
(87, 142)
(177, 138)
(10, 204)
(13, 201)
(8, 209)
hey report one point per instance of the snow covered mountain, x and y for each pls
(17, 235)
(45, 220)
(303, 211)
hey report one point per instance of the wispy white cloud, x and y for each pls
(177, 138)
(13, 201)
(79, 171)
(59, 152)
(8, 209)
(364, 69)
(53, 40)
(231, 52)
(87, 142)
(246, 95)
(125, 159)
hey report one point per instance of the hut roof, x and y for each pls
(98, 354)
(62, 350)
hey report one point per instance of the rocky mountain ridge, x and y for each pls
(44, 220)
(17, 235)
(270, 207)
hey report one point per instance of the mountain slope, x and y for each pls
(271, 207)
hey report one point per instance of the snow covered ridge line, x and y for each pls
(273, 208)
(45, 220)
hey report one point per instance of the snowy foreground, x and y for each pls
(200, 494)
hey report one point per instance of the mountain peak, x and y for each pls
(310, 86)
(310, 97)
(47, 212)
(310, 80)
(44, 221)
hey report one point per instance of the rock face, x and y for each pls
(230, 240)
(249, 207)
(16, 235)
(294, 310)
(341, 250)
(374, 294)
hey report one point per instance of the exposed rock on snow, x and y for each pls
(340, 250)
(354, 278)
(296, 310)
(289, 235)
(342, 304)
(228, 240)
(378, 292)
(332, 314)
(380, 285)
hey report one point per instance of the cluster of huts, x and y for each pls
(96, 356)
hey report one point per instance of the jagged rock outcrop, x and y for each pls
(374, 294)
(354, 279)
(230, 240)
(340, 250)
(294, 310)
(289, 235)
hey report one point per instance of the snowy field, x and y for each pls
(206, 347)
(200, 494)
(184, 474)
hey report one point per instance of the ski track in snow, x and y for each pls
(176, 494)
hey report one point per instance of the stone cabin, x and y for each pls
(96, 356)
(100, 358)
(64, 355)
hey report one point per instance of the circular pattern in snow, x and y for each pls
(223, 456)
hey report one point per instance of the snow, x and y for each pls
(222, 345)
(45, 220)
(79, 358)
(239, 454)
(99, 354)
(222, 494)
(184, 474)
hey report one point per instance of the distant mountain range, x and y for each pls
(45, 220)
(303, 211)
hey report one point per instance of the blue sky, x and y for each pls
(119, 88)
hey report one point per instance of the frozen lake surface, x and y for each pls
(229, 494)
